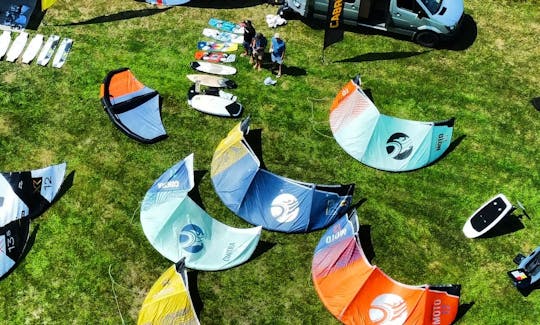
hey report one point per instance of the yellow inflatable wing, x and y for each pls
(45, 4)
(168, 301)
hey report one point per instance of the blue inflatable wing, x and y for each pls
(179, 228)
(381, 141)
(133, 108)
(265, 199)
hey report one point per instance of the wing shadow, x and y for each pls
(123, 15)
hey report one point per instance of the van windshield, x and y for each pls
(432, 5)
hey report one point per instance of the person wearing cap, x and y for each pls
(277, 52)
(249, 33)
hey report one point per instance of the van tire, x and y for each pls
(427, 38)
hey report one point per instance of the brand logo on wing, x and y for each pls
(191, 238)
(399, 146)
(337, 233)
(285, 208)
(169, 184)
(441, 138)
(439, 309)
(388, 309)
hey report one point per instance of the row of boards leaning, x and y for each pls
(206, 94)
(37, 47)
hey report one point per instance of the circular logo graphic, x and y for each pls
(388, 309)
(285, 208)
(399, 146)
(191, 238)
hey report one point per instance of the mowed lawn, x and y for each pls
(92, 237)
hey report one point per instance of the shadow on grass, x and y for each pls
(123, 15)
(464, 39)
(380, 56)
(194, 294)
(509, 224)
(462, 310)
(223, 4)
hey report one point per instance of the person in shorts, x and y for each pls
(277, 52)
(259, 45)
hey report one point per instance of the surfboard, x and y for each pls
(33, 48)
(487, 216)
(226, 26)
(215, 57)
(212, 81)
(5, 39)
(17, 47)
(61, 54)
(47, 50)
(223, 36)
(213, 68)
(217, 46)
(214, 102)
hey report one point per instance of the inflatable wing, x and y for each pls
(24, 196)
(168, 301)
(268, 200)
(356, 292)
(179, 228)
(167, 2)
(385, 142)
(133, 108)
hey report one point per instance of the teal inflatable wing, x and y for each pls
(381, 141)
(177, 227)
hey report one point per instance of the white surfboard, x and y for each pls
(5, 39)
(33, 48)
(47, 50)
(223, 36)
(212, 81)
(61, 54)
(17, 47)
(218, 103)
(213, 68)
(487, 216)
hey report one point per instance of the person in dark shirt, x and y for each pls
(249, 33)
(259, 45)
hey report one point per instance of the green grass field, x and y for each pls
(48, 116)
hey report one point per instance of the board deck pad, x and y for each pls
(221, 36)
(48, 49)
(5, 40)
(33, 48)
(217, 46)
(212, 81)
(213, 68)
(61, 54)
(214, 102)
(226, 26)
(215, 57)
(487, 216)
(17, 47)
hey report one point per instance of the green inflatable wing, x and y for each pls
(179, 228)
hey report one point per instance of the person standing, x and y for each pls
(277, 52)
(249, 33)
(259, 45)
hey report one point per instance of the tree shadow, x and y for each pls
(381, 56)
(223, 4)
(123, 15)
